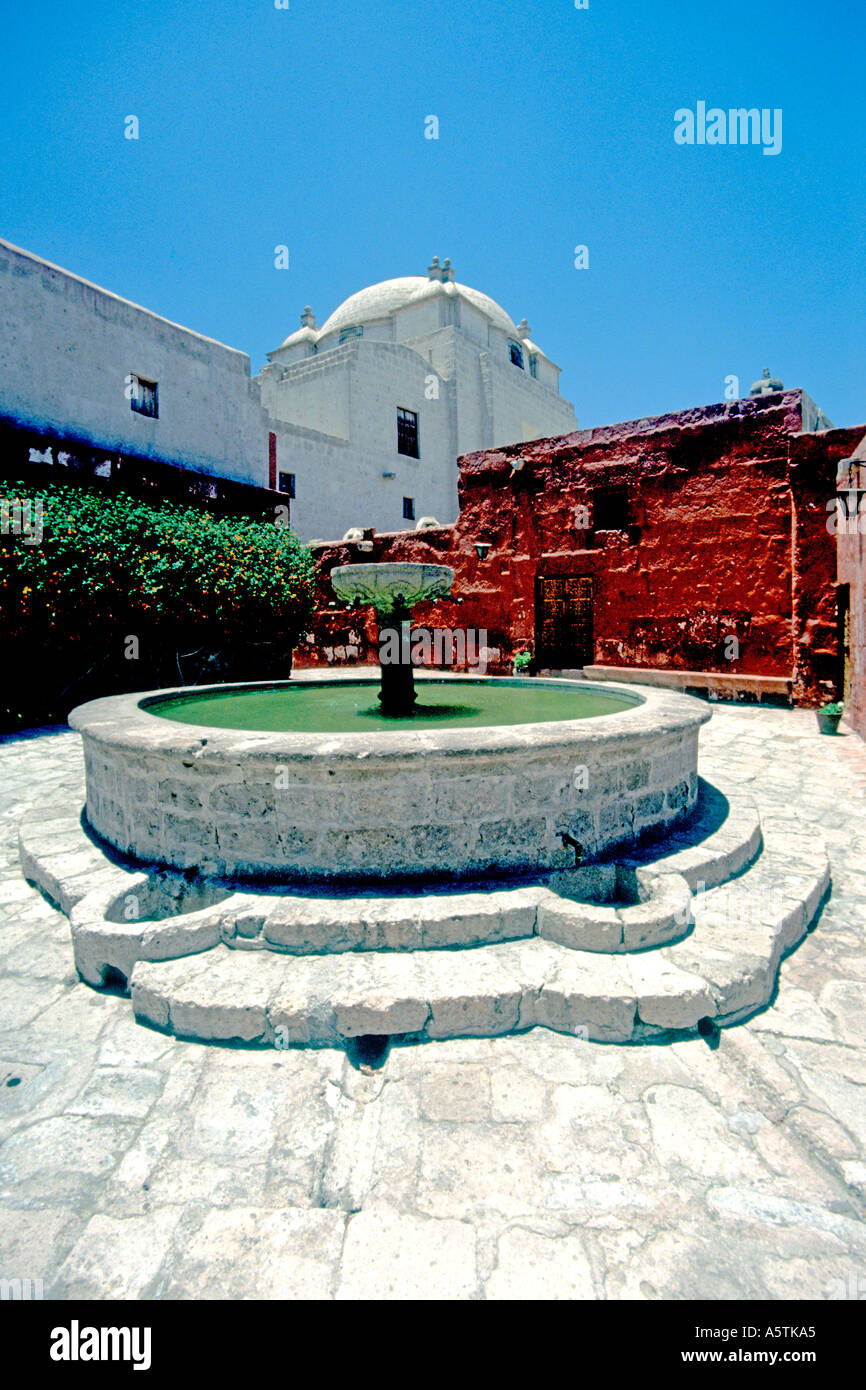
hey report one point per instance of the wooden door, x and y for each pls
(563, 621)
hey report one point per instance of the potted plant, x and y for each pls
(829, 716)
(521, 663)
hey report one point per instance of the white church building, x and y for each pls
(372, 410)
(360, 422)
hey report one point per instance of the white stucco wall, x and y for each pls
(340, 483)
(67, 346)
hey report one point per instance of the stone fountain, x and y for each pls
(393, 589)
(248, 872)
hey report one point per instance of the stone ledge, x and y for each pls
(712, 682)
(756, 899)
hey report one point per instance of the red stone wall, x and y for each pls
(727, 538)
(815, 460)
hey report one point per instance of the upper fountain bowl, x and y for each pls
(386, 585)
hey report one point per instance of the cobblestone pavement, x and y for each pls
(136, 1166)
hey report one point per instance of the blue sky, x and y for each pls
(305, 127)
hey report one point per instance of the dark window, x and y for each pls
(610, 509)
(407, 433)
(143, 396)
(287, 484)
(517, 355)
(533, 365)
(408, 508)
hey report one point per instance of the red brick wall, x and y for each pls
(727, 512)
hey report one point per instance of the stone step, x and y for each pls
(725, 969)
(721, 838)
(115, 922)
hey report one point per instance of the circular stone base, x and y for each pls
(383, 806)
(203, 960)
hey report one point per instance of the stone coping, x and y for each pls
(124, 721)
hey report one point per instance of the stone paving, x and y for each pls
(134, 1165)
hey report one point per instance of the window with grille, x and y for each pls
(143, 396)
(407, 433)
(287, 484)
(610, 509)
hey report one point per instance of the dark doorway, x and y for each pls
(563, 621)
(843, 638)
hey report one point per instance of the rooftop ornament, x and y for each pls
(766, 384)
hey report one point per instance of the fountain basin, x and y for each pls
(432, 802)
(391, 585)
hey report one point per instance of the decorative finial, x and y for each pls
(766, 384)
(308, 318)
(443, 273)
(524, 330)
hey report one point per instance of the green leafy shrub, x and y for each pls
(203, 597)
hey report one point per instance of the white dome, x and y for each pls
(378, 302)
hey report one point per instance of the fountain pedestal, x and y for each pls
(397, 689)
(393, 589)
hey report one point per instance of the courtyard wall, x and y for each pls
(68, 349)
(720, 561)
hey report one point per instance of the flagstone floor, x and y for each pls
(133, 1165)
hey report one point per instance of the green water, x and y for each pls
(351, 707)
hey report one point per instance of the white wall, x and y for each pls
(313, 392)
(340, 485)
(66, 348)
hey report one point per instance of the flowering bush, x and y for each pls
(202, 596)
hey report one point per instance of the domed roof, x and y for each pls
(378, 302)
